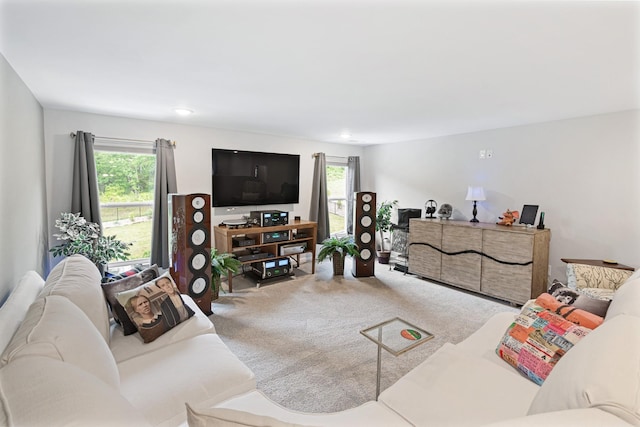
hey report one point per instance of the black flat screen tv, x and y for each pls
(248, 178)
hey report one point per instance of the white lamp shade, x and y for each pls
(475, 193)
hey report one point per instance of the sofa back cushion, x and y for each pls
(15, 307)
(77, 279)
(602, 371)
(39, 391)
(54, 327)
(626, 300)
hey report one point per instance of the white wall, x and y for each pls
(192, 154)
(23, 231)
(583, 173)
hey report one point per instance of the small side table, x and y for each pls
(597, 263)
(396, 336)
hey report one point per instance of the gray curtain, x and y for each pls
(353, 186)
(84, 191)
(319, 210)
(165, 185)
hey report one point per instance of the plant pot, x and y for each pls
(216, 288)
(338, 264)
(383, 257)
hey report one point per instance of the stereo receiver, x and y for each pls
(275, 236)
(269, 218)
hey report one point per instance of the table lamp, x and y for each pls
(477, 195)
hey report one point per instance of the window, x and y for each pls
(126, 180)
(337, 199)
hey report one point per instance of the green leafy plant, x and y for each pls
(337, 248)
(344, 246)
(383, 219)
(85, 238)
(221, 263)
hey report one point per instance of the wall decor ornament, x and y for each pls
(445, 211)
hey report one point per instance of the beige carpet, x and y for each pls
(300, 335)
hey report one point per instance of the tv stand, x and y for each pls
(297, 229)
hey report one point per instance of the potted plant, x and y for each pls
(85, 238)
(337, 248)
(221, 263)
(383, 225)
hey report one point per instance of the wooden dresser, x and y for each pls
(506, 262)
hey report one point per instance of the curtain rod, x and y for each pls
(314, 155)
(73, 135)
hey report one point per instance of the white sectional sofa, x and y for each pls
(63, 364)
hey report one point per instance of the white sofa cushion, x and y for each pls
(483, 342)
(39, 391)
(371, 414)
(451, 388)
(54, 327)
(200, 370)
(635, 275)
(15, 307)
(626, 300)
(125, 347)
(79, 280)
(602, 371)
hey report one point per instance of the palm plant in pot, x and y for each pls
(337, 248)
(221, 263)
(383, 225)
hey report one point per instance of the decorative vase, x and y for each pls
(383, 257)
(217, 281)
(338, 264)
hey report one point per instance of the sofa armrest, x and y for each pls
(590, 417)
(254, 405)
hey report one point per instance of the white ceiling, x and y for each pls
(385, 71)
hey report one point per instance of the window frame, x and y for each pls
(345, 164)
(125, 147)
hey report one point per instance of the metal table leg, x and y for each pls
(379, 364)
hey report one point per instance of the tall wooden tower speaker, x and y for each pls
(364, 233)
(190, 251)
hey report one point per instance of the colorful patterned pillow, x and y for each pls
(570, 312)
(537, 339)
(590, 276)
(111, 289)
(154, 307)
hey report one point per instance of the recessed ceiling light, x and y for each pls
(183, 111)
(345, 135)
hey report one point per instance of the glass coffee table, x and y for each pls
(397, 336)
